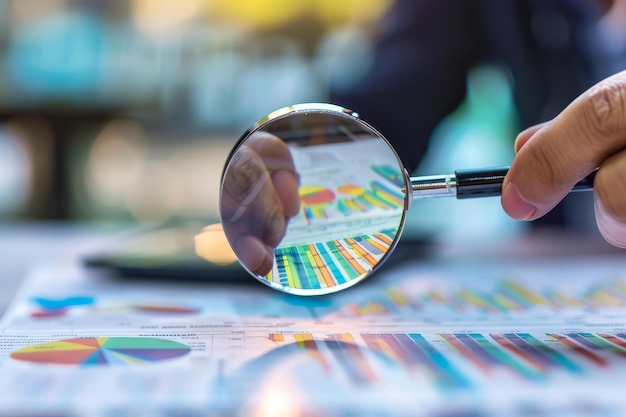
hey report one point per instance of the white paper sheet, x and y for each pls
(484, 338)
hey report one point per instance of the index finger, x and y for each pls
(279, 163)
(566, 149)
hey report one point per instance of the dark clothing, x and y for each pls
(426, 47)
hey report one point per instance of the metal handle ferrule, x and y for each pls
(434, 186)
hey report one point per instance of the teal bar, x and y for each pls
(440, 365)
(311, 276)
(297, 266)
(347, 268)
(337, 275)
(503, 357)
(555, 355)
(600, 342)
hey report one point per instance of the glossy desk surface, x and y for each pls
(23, 245)
(423, 331)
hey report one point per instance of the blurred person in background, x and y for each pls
(554, 50)
(424, 49)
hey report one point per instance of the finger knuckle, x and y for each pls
(274, 226)
(605, 111)
(547, 169)
(244, 172)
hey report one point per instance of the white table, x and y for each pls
(25, 244)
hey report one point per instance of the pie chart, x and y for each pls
(102, 351)
(315, 195)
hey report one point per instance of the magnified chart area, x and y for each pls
(350, 199)
(317, 182)
(331, 263)
(102, 351)
(352, 206)
(346, 185)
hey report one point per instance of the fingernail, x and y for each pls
(515, 205)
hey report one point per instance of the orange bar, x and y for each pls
(377, 245)
(364, 254)
(305, 340)
(359, 269)
(277, 337)
(328, 279)
(384, 238)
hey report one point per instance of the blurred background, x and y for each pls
(123, 111)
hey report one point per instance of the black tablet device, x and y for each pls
(182, 251)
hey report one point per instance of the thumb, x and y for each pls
(566, 149)
(525, 136)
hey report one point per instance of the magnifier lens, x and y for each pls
(311, 199)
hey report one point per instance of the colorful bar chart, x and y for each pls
(327, 264)
(349, 199)
(505, 297)
(597, 348)
(390, 173)
(521, 354)
(461, 360)
(355, 356)
(334, 353)
(416, 354)
(352, 359)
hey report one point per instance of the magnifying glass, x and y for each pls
(313, 199)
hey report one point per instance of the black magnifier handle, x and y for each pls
(473, 183)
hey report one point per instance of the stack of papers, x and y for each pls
(542, 337)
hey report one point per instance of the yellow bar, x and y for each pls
(277, 337)
(384, 238)
(294, 281)
(605, 298)
(527, 294)
(475, 301)
(507, 303)
(373, 201)
(345, 337)
(303, 337)
(397, 298)
(568, 301)
(318, 273)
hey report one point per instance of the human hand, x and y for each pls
(551, 157)
(259, 195)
